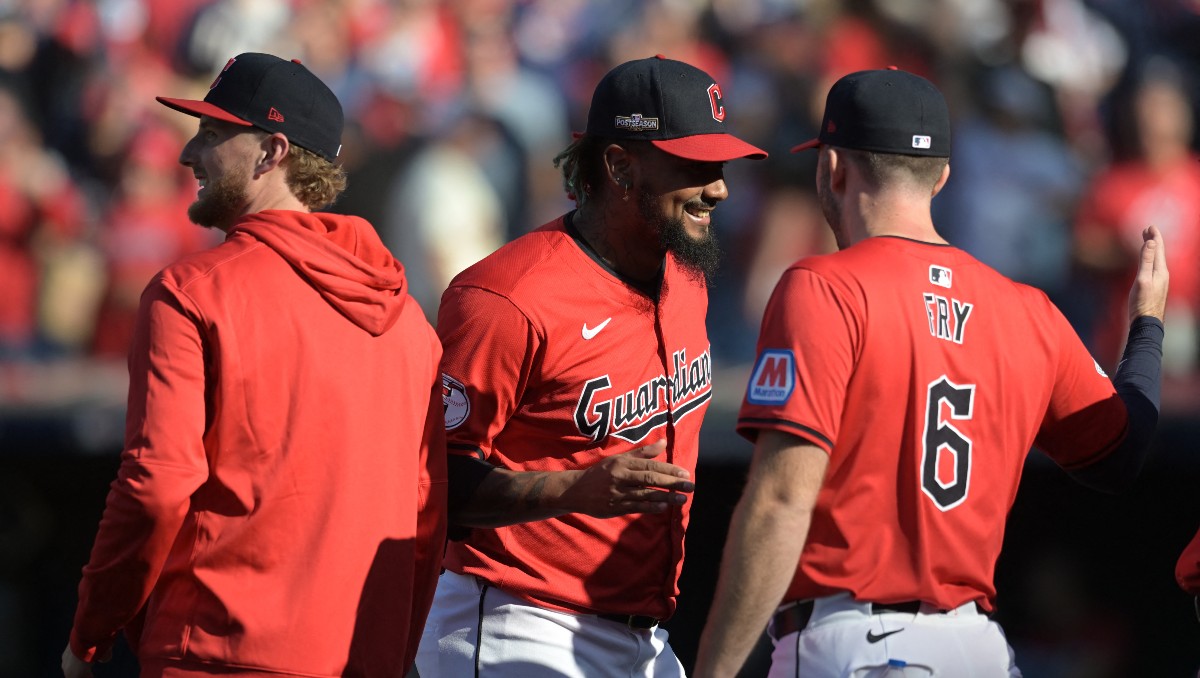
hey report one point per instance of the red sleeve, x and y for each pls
(806, 352)
(162, 465)
(431, 521)
(488, 349)
(1187, 570)
(1085, 418)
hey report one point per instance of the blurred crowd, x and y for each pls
(1074, 130)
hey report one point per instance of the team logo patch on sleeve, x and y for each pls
(773, 379)
(455, 402)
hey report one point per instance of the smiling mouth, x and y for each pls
(698, 212)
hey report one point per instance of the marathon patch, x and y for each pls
(773, 379)
(635, 123)
(454, 401)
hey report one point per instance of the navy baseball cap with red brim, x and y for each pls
(273, 94)
(675, 106)
(885, 111)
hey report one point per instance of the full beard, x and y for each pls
(699, 257)
(222, 203)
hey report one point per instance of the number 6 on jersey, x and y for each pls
(943, 438)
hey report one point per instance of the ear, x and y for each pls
(837, 168)
(942, 181)
(273, 149)
(619, 166)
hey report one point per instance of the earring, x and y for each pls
(626, 196)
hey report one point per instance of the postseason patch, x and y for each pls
(455, 402)
(773, 379)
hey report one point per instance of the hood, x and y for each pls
(342, 257)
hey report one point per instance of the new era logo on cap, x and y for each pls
(675, 106)
(256, 89)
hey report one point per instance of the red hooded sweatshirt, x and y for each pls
(280, 501)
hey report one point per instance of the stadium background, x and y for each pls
(455, 109)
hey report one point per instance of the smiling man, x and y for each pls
(577, 372)
(279, 509)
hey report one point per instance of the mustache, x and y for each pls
(702, 204)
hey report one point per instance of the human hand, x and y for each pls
(74, 667)
(1148, 296)
(630, 482)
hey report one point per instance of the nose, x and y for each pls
(187, 156)
(716, 190)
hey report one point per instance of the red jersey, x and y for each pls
(552, 362)
(280, 504)
(927, 377)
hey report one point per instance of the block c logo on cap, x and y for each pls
(714, 100)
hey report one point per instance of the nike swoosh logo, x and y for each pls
(589, 332)
(872, 638)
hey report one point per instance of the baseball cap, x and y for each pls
(277, 95)
(885, 111)
(675, 106)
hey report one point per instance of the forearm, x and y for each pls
(504, 497)
(141, 519)
(764, 537)
(1138, 383)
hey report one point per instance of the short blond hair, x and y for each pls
(315, 181)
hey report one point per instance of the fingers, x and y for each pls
(1148, 295)
(646, 501)
(1154, 253)
(670, 479)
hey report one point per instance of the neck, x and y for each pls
(620, 237)
(891, 213)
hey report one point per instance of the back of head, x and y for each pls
(275, 95)
(894, 122)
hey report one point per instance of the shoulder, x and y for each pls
(522, 265)
(203, 267)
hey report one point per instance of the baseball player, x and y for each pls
(576, 374)
(279, 508)
(898, 388)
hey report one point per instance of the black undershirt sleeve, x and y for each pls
(1138, 382)
(466, 473)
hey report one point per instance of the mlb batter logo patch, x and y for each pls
(939, 276)
(773, 379)
(454, 401)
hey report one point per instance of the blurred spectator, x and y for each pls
(1158, 183)
(145, 228)
(1013, 183)
(40, 214)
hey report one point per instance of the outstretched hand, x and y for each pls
(1148, 296)
(630, 482)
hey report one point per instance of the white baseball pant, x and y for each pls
(475, 629)
(843, 638)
